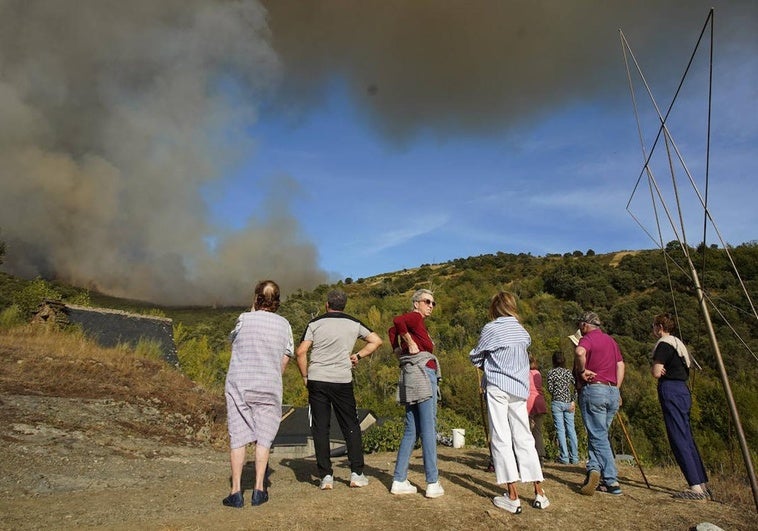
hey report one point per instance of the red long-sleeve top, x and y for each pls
(413, 323)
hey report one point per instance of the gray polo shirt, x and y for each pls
(333, 335)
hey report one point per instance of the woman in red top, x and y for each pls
(417, 391)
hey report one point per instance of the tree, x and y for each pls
(34, 293)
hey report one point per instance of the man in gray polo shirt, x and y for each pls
(329, 380)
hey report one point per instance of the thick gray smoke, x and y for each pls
(114, 116)
(446, 67)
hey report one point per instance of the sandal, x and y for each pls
(690, 494)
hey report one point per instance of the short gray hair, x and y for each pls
(419, 295)
(336, 299)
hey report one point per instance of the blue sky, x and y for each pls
(556, 183)
(177, 152)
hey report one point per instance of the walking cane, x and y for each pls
(483, 408)
(634, 453)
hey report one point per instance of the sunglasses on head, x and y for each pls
(429, 302)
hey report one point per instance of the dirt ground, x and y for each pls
(74, 464)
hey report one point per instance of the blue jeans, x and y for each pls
(420, 420)
(599, 403)
(563, 420)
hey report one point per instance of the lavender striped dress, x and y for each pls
(254, 382)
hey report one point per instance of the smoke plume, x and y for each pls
(115, 116)
(483, 66)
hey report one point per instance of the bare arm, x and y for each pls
(620, 371)
(301, 353)
(657, 370)
(373, 342)
(285, 361)
(581, 369)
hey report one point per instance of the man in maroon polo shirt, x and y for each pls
(600, 368)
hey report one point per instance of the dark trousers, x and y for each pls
(322, 397)
(676, 401)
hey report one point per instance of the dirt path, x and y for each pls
(72, 464)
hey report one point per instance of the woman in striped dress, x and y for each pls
(502, 354)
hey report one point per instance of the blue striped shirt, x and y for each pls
(502, 354)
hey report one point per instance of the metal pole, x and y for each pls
(725, 381)
(634, 453)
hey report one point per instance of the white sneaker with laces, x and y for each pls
(358, 480)
(540, 501)
(504, 502)
(327, 482)
(434, 490)
(402, 487)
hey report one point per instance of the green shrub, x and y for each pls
(80, 299)
(448, 420)
(149, 348)
(384, 438)
(201, 363)
(32, 295)
(10, 317)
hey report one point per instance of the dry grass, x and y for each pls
(48, 363)
(39, 360)
(616, 260)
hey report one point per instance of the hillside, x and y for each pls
(95, 438)
(627, 288)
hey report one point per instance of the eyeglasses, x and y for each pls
(429, 302)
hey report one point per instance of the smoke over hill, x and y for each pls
(118, 117)
(114, 119)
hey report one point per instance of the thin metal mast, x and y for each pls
(701, 296)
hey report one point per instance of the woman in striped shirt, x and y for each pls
(502, 355)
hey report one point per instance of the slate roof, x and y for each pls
(295, 427)
(110, 328)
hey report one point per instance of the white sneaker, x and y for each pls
(327, 483)
(434, 490)
(402, 487)
(540, 502)
(504, 502)
(358, 480)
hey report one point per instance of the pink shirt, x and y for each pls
(535, 404)
(603, 354)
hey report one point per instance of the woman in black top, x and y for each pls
(671, 366)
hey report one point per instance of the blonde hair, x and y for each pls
(504, 304)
